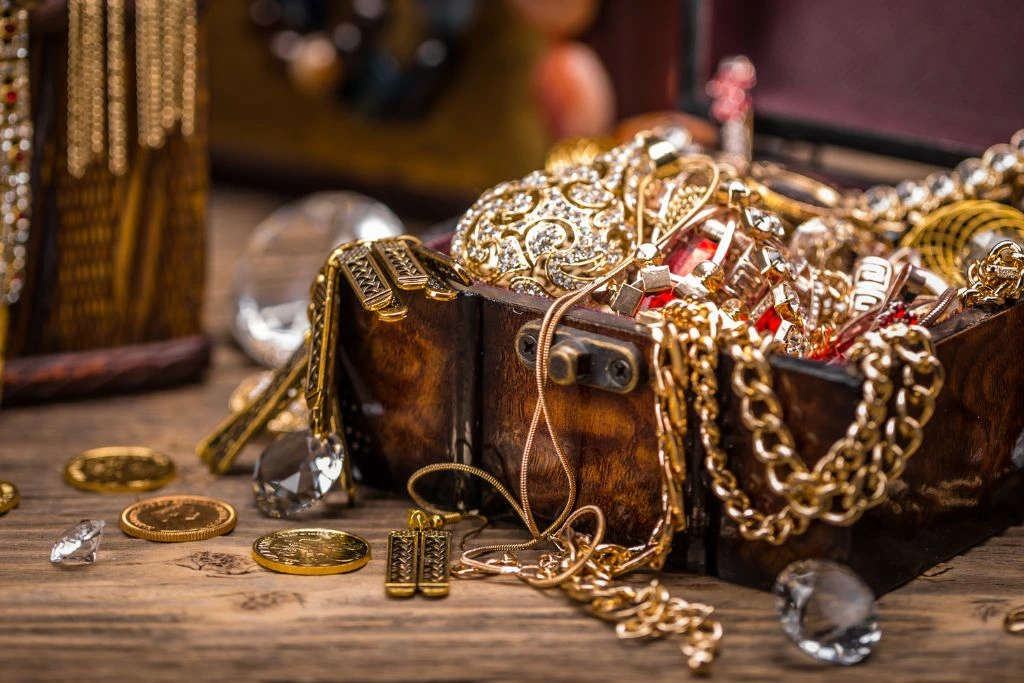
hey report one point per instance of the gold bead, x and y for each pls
(647, 253)
(710, 275)
(734, 308)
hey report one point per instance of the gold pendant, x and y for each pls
(419, 558)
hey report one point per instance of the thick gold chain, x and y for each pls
(853, 476)
(997, 278)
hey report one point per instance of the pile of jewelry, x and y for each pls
(715, 257)
(719, 257)
(799, 261)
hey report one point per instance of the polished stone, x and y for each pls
(283, 256)
(297, 471)
(828, 611)
(78, 545)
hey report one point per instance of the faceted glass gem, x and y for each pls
(769, 321)
(767, 224)
(684, 260)
(911, 193)
(284, 254)
(297, 471)
(973, 173)
(942, 184)
(78, 545)
(828, 611)
(880, 199)
(1001, 158)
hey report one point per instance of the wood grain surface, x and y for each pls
(204, 611)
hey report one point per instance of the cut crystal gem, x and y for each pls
(973, 173)
(942, 185)
(296, 471)
(880, 199)
(1001, 158)
(828, 611)
(683, 261)
(284, 254)
(78, 545)
(911, 193)
(765, 224)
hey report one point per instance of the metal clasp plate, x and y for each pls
(584, 358)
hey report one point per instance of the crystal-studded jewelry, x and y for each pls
(556, 231)
(15, 160)
(993, 176)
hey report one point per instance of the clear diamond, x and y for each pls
(973, 173)
(78, 545)
(911, 193)
(296, 471)
(942, 185)
(828, 611)
(1001, 158)
(284, 254)
(767, 224)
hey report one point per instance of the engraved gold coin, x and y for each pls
(9, 497)
(177, 519)
(311, 551)
(119, 469)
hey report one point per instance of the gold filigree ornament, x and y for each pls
(555, 231)
(951, 238)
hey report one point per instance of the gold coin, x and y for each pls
(176, 519)
(1014, 622)
(119, 469)
(9, 497)
(311, 551)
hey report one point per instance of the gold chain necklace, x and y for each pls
(853, 476)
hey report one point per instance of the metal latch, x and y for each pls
(584, 358)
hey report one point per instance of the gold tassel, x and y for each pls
(165, 78)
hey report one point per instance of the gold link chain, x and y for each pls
(854, 474)
(997, 278)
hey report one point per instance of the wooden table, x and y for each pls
(204, 611)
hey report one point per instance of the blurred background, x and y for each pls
(395, 115)
(423, 103)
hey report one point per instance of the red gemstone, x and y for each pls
(12, 96)
(682, 261)
(896, 312)
(657, 300)
(769, 321)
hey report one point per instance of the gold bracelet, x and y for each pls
(793, 195)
